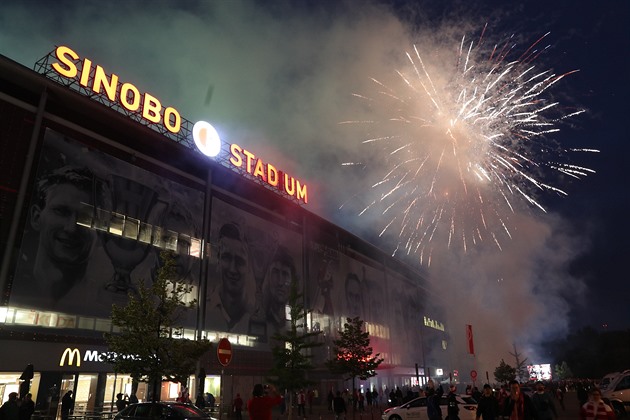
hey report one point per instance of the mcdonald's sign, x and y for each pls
(68, 357)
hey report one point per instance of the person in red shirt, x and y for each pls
(237, 407)
(262, 402)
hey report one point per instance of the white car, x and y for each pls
(608, 379)
(416, 409)
(617, 393)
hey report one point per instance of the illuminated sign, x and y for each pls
(90, 79)
(206, 139)
(209, 143)
(72, 357)
(431, 323)
(125, 94)
(268, 173)
(68, 357)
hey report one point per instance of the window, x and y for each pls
(142, 410)
(623, 384)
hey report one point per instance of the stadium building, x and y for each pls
(99, 176)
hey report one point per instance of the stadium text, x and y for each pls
(125, 94)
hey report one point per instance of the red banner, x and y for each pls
(469, 339)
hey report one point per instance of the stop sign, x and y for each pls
(473, 374)
(224, 351)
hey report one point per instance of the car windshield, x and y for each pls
(162, 410)
(188, 411)
(418, 402)
(468, 400)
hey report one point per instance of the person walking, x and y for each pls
(200, 401)
(121, 403)
(434, 412)
(339, 407)
(452, 412)
(310, 396)
(582, 393)
(543, 404)
(560, 397)
(10, 409)
(260, 405)
(301, 403)
(27, 407)
(595, 408)
(237, 407)
(399, 396)
(488, 405)
(67, 404)
(330, 399)
(518, 406)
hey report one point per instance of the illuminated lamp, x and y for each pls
(206, 138)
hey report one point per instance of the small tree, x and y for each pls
(504, 373)
(353, 354)
(291, 358)
(563, 371)
(520, 366)
(149, 346)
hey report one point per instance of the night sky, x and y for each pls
(278, 79)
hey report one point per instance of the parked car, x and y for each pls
(617, 393)
(607, 380)
(416, 409)
(163, 410)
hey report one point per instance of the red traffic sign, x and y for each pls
(473, 374)
(224, 351)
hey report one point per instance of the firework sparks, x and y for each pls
(465, 145)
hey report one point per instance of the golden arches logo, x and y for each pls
(69, 355)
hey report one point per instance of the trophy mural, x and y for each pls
(135, 201)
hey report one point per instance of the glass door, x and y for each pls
(67, 384)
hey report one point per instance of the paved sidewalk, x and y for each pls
(571, 405)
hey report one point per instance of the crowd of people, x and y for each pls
(506, 402)
(17, 409)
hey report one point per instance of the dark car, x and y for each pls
(163, 410)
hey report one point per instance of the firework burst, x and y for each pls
(466, 144)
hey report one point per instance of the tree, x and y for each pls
(353, 354)
(520, 366)
(504, 373)
(563, 371)
(148, 345)
(291, 358)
